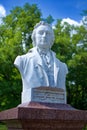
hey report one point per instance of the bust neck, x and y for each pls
(43, 50)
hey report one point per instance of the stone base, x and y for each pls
(44, 116)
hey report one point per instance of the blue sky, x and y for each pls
(57, 8)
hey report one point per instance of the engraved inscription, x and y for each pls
(44, 95)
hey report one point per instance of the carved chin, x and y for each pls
(45, 45)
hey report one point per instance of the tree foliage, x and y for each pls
(78, 70)
(14, 40)
(72, 49)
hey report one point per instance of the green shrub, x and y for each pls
(3, 127)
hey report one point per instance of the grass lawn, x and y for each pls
(3, 127)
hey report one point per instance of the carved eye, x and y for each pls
(41, 32)
(48, 33)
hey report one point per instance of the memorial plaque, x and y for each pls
(46, 94)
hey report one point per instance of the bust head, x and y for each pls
(43, 35)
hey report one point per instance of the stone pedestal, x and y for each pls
(44, 116)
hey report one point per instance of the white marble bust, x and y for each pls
(40, 67)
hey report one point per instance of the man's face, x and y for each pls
(43, 37)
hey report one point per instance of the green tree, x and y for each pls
(63, 43)
(14, 40)
(78, 70)
(49, 19)
(72, 49)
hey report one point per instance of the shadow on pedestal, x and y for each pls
(44, 116)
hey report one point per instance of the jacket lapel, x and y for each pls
(56, 66)
(56, 69)
(38, 58)
(40, 65)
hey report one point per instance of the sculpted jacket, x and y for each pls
(33, 73)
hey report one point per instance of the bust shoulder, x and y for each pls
(64, 68)
(28, 55)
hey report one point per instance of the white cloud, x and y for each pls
(2, 13)
(71, 22)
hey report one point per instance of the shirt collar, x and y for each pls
(43, 51)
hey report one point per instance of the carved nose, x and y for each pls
(44, 34)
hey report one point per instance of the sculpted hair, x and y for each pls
(33, 36)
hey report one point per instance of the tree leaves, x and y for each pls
(13, 31)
